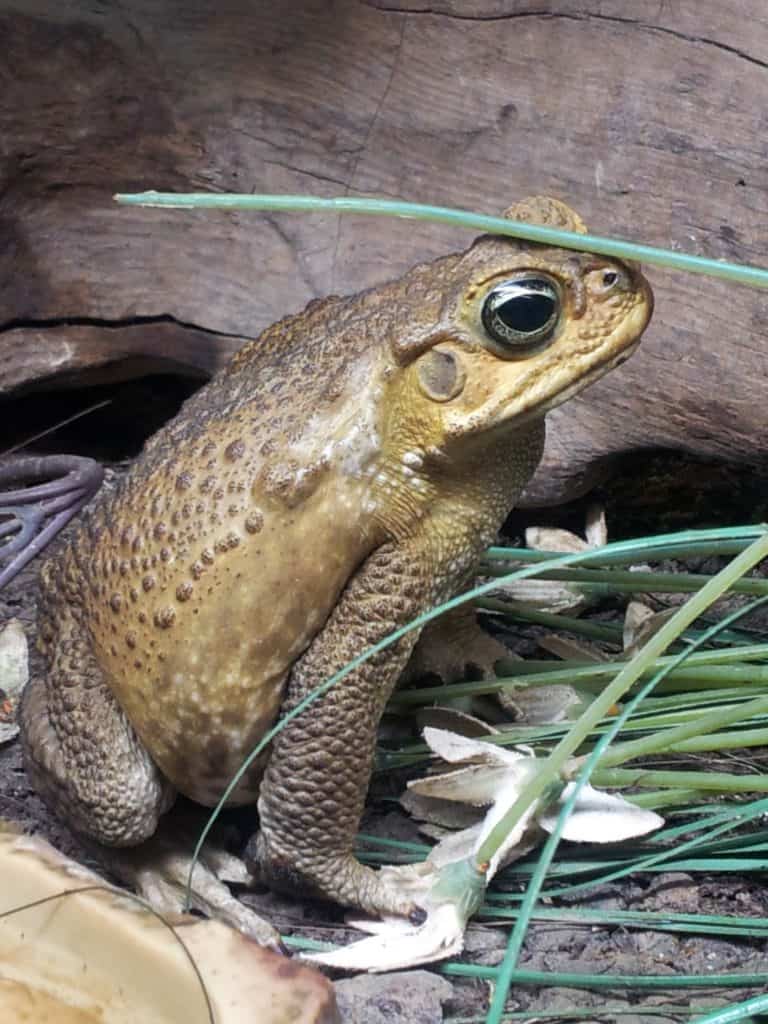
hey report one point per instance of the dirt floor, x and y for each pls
(549, 947)
(427, 998)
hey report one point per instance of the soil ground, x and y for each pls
(549, 947)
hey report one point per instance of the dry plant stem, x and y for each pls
(54, 427)
(553, 767)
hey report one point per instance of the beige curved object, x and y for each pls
(98, 957)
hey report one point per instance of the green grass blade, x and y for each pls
(740, 274)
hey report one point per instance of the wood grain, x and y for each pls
(651, 119)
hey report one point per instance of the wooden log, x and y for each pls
(38, 357)
(649, 119)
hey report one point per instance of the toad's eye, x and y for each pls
(521, 313)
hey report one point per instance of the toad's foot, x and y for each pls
(339, 877)
(159, 871)
(450, 645)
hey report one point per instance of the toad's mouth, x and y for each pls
(532, 402)
(595, 372)
(558, 376)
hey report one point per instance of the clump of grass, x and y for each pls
(705, 697)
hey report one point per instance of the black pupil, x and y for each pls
(526, 314)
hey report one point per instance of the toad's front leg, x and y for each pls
(314, 788)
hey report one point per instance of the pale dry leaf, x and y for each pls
(453, 720)
(449, 886)
(550, 538)
(476, 783)
(599, 817)
(455, 748)
(596, 530)
(568, 648)
(14, 673)
(553, 595)
(447, 814)
(544, 705)
(635, 617)
(640, 627)
(549, 595)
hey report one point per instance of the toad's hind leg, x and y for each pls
(81, 752)
(314, 787)
(86, 761)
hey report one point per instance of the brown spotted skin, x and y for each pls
(341, 476)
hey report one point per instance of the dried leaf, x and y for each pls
(547, 538)
(475, 784)
(99, 955)
(600, 817)
(641, 623)
(451, 719)
(449, 885)
(568, 648)
(549, 595)
(448, 814)
(596, 530)
(14, 673)
(457, 749)
(544, 705)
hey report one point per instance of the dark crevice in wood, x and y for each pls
(310, 174)
(108, 324)
(585, 16)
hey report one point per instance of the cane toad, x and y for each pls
(342, 475)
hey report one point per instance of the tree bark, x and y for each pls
(650, 119)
